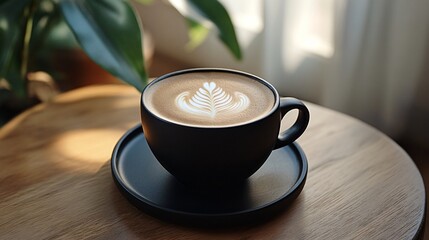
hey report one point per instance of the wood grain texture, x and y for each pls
(55, 180)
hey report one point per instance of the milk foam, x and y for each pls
(209, 99)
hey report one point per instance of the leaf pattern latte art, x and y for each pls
(211, 100)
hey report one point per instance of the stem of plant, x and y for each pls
(29, 13)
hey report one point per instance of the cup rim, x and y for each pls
(225, 70)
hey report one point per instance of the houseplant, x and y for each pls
(106, 30)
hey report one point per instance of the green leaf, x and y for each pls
(109, 33)
(216, 13)
(12, 29)
(46, 17)
(197, 33)
(146, 2)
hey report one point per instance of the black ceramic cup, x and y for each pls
(219, 156)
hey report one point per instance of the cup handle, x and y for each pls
(291, 134)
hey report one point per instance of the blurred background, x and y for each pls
(367, 58)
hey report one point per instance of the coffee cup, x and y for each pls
(216, 127)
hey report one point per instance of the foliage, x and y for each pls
(107, 31)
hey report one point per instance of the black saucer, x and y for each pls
(147, 185)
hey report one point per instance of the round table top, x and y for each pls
(56, 179)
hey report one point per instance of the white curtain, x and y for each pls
(366, 58)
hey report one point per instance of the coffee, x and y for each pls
(209, 99)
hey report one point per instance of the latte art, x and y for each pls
(211, 100)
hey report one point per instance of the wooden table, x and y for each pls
(56, 181)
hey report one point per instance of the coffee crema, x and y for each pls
(209, 99)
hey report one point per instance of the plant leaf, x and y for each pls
(12, 22)
(46, 18)
(109, 33)
(197, 33)
(216, 13)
